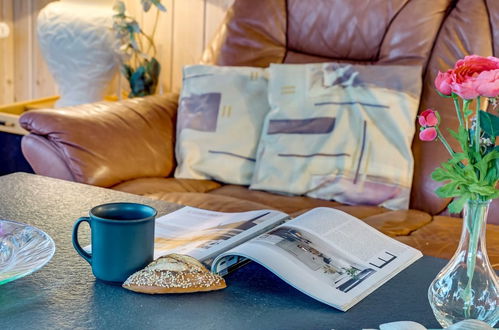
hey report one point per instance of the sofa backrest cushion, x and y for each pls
(260, 32)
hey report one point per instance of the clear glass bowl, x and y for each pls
(23, 250)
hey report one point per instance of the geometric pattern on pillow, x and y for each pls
(199, 112)
(340, 132)
(220, 116)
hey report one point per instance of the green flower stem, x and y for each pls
(446, 144)
(458, 109)
(477, 126)
(466, 112)
(474, 225)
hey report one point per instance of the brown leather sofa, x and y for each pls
(129, 145)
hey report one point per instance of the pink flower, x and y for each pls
(463, 78)
(443, 81)
(487, 83)
(428, 121)
(428, 118)
(428, 134)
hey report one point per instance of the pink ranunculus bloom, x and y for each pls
(428, 118)
(476, 63)
(443, 81)
(466, 89)
(465, 73)
(428, 134)
(487, 83)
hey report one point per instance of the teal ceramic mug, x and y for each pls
(122, 238)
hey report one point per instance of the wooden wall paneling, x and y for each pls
(182, 34)
(215, 13)
(7, 54)
(23, 50)
(44, 84)
(188, 36)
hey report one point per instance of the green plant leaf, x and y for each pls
(489, 123)
(439, 174)
(492, 175)
(487, 162)
(159, 5)
(119, 8)
(133, 27)
(461, 136)
(154, 68)
(497, 164)
(126, 71)
(137, 81)
(449, 190)
(458, 157)
(458, 203)
(481, 189)
(146, 5)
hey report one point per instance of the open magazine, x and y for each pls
(325, 253)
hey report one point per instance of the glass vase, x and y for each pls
(467, 287)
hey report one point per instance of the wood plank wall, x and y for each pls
(183, 32)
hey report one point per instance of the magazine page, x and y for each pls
(327, 254)
(204, 234)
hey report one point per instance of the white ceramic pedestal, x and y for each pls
(78, 44)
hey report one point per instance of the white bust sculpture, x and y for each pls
(79, 48)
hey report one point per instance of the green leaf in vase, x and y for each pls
(451, 189)
(458, 203)
(489, 123)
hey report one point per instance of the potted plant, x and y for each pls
(137, 49)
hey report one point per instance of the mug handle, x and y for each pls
(87, 256)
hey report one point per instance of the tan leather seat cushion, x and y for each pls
(287, 204)
(148, 186)
(392, 223)
(209, 202)
(440, 238)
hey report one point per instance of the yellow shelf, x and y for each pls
(9, 113)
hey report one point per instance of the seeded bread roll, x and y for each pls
(174, 273)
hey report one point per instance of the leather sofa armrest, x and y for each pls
(44, 158)
(104, 143)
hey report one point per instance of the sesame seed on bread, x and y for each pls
(174, 273)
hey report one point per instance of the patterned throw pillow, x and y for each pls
(220, 116)
(340, 132)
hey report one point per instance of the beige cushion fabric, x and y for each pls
(340, 132)
(220, 117)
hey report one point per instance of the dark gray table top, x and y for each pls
(65, 295)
